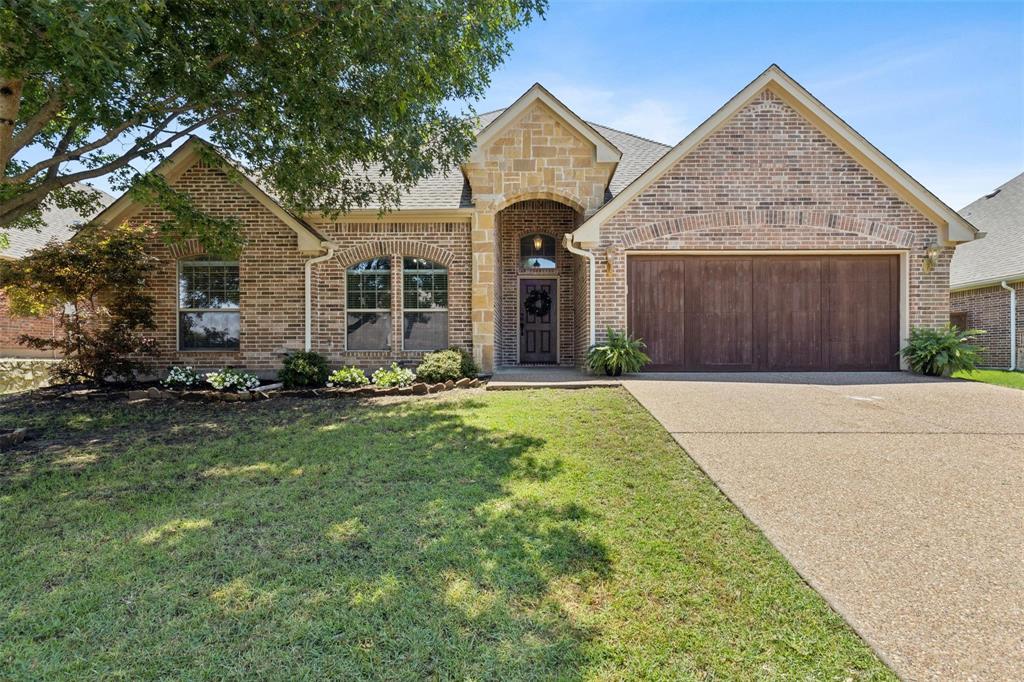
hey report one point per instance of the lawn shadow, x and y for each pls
(410, 539)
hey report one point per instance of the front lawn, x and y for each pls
(998, 377)
(518, 535)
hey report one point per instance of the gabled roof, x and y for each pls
(606, 151)
(1000, 255)
(956, 228)
(183, 158)
(59, 224)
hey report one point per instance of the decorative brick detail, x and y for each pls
(541, 216)
(190, 248)
(540, 156)
(769, 179)
(412, 249)
(801, 221)
(988, 309)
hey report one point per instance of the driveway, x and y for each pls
(900, 499)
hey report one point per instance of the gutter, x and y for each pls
(592, 296)
(309, 291)
(1013, 324)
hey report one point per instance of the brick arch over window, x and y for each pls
(570, 201)
(412, 249)
(783, 218)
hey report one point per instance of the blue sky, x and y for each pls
(938, 87)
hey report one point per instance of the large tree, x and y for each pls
(334, 104)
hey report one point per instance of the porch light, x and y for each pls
(931, 257)
(538, 242)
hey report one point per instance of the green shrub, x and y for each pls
(232, 380)
(440, 366)
(940, 352)
(393, 376)
(469, 367)
(304, 369)
(617, 354)
(348, 377)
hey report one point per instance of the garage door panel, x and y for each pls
(657, 314)
(721, 314)
(767, 313)
(790, 313)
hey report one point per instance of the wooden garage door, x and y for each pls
(766, 313)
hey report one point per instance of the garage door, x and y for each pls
(766, 313)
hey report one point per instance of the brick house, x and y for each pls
(59, 224)
(987, 277)
(771, 237)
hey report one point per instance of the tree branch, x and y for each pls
(36, 123)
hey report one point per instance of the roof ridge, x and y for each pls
(634, 135)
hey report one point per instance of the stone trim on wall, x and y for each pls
(777, 217)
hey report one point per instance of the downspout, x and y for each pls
(592, 296)
(1013, 324)
(309, 291)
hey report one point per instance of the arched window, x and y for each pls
(537, 252)
(424, 305)
(368, 305)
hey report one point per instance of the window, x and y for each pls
(424, 305)
(537, 252)
(368, 305)
(208, 305)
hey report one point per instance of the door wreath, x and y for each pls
(538, 303)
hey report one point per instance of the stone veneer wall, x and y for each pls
(445, 243)
(988, 309)
(23, 374)
(514, 222)
(769, 179)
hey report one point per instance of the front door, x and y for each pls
(537, 316)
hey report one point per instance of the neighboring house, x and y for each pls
(773, 237)
(59, 224)
(987, 277)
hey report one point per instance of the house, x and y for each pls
(58, 224)
(773, 237)
(986, 279)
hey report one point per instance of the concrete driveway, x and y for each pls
(900, 499)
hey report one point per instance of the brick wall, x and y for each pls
(514, 222)
(271, 280)
(445, 243)
(769, 179)
(12, 327)
(988, 309)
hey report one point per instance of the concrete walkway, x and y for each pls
(900, 499)
(517, 378)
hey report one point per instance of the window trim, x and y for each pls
(389, 311)
(179, 310)
(436, 270)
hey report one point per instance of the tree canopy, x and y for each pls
(334, 105)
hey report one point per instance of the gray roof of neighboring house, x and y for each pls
(58, 224)
(451, 190)
(1000, 253)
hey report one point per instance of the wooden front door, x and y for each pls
(766, 313)
(538, 338)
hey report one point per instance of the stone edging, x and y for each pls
(265, 392)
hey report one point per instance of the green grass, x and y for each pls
(506, 536)
(994, 376)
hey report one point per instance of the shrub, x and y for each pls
(440, 366)
(617, 354)
(393, 376)
(95, 285)
(469, 367)
(348, 376)
(232, 380)
(303, 369)
(182, 377)
(940, 352)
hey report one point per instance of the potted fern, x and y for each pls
(619, 353)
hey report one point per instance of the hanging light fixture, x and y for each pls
(538, 242)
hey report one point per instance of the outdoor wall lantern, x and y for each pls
(931, 257)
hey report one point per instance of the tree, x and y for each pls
(96, 285)
(333, 104)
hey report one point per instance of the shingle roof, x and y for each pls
(58, 223)
(1000, 254)
(451, 190)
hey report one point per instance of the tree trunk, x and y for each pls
(10, 104)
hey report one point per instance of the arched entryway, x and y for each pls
(535, 319)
